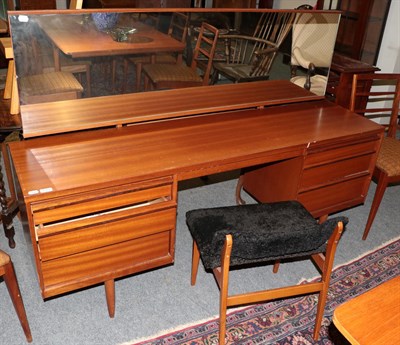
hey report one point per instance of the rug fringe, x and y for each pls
(169, 330)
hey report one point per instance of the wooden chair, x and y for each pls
(259, 233)
(68, 64)
(250, 58)
(313, 41)
(8, 274)
(35, 86)
(178, 29)
(385, 89)
(169, 76)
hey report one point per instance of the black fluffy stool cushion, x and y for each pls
(260, 232)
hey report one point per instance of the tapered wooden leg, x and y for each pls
(110, 296)
(320, 312)
(276, 266)
(195, 263)
(15, 294)
(224, 287)
(326, 276)
(380, 191)
(239, 186)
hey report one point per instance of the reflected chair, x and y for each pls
(250, 58)
(378, 95)
(247, 235)
(169, 76)
(35, 86)
(8, 274)
(313, 41)
(178, 29)
(69, 65)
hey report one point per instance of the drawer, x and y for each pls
(95, 266)
(329, 173)
(94, 202)
(335, 197)
(101, 233)
(316, 156)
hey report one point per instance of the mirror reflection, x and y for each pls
(60, 56)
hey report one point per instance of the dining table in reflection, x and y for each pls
(77, 36)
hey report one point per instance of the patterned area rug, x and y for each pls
(291, 321)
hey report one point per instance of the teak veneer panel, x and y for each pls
(372, 317)
(87, 113)
(188, 147)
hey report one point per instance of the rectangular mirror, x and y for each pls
(69, 55)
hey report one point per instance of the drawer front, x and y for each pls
(88, 238)
(93, 202)
(101, 234)
(336, 171)
(317, 157)
(95, 266)
(335, 197)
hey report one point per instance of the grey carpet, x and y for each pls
(162, 299)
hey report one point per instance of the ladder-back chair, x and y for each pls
(169, 76)
(367, 90)
(178, 29)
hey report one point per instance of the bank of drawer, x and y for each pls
(317, 157)
(335, 171)
(334, 197)
(91, 267)
(98, 234)
(86, 204)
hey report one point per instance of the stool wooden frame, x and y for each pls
(221, 274)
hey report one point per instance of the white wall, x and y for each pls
(61, 4)
(389, 53)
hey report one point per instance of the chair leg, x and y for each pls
(239, 186)
(224, 285)
(125, 76)
(138, 76)
(195, 263)
(15, 294)
(110, 296)
(380, 191)
(276, 266)
(88, 81)
(326, 276)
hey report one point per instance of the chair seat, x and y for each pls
(318, 83)
(261, 232)
(49, 83)
(172, 73)
(389, 157)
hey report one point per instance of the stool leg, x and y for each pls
(276, 266)
(239, 186)
(15, 294)
(110, 296)
(195, 263)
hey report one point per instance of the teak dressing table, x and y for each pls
(100, 202)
